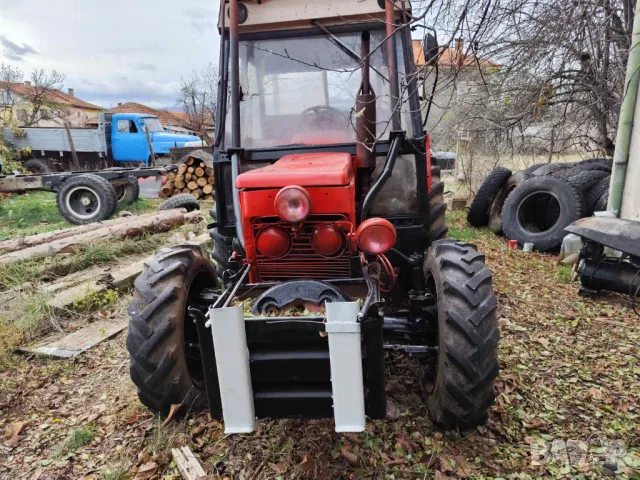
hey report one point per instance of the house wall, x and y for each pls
(77, 117)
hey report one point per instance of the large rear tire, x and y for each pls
(437, 207)
(458, 383)
(162, 342)
(184, 200)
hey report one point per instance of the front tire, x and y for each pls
(458, 383)
(86, 198)
(164, 361)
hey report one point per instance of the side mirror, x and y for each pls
(431, 49)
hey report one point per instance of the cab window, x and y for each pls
(127, 126)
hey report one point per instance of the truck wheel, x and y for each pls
(184, 200)
(127, 194)
(163, 347)
(458, 382)
(34, 165)
(437, 207)
(86, 198)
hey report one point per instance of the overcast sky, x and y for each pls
(112, 51)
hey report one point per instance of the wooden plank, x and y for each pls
(187, 464)
(80, 340)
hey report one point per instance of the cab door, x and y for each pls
(129, 143)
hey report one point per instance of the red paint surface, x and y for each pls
(305, 170)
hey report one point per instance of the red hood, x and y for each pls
(304, 169)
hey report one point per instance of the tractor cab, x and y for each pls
(328, 229)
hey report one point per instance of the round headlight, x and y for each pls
(376, 236)
(327, 240)
(293, 204)
(273, 241)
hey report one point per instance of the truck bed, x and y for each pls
(55, 139)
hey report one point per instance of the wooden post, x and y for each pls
(74, 155)
(153, 156)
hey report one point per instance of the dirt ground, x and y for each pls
(568, 404)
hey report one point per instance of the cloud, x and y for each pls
(13, 51)
(147, 67)
(201, 19)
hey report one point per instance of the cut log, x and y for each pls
(211, 180)
(201, 164)
(167, 188)
(15, 244)
(201, 181)
(191, 169)
(182, 168)
(186, 190)
(199, 172)
(192, 185)
(188, 177)
(190, 161)
(208, 198)
(135, 226)
(172, 176)
(207, 189)
(197, 192)
(208, 172)
(187, 464)
(179, 184)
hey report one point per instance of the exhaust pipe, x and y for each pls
(365, 121)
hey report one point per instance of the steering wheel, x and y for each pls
(322, 117)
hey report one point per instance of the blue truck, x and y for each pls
(120, 140)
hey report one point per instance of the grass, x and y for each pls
(76, 439)
(118, 472)
(564, 274)
(36, 212)
(18, 273)
(461, 230)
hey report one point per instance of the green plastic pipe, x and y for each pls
(625, 123)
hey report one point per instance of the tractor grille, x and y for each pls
(302, 261)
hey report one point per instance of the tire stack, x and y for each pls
(535, 205)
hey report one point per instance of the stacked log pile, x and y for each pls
(192, 176)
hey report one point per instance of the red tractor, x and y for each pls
(329, 227)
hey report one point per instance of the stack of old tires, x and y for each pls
(536, 204)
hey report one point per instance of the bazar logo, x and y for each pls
(610, 454)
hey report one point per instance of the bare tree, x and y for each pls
(38, 96)
(198, 98)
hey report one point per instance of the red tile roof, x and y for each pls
(55, 96)
(449, 58)
(166, 117)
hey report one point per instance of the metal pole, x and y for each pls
(235, 74)
(392, 61)
(235, 112)
(625, 123)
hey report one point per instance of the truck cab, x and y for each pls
(129, 140)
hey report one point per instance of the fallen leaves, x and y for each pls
(12, 433)
(146, 471)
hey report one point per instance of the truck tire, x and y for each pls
(479, 211)
(495, 212)
(164, 368)
(529, 171)
(458, 382)
(86, 198)
(552, 169)
(582, 179)
(539, 209)
(437, 207)
(127, 194)
(184, 200)
(598, 196)
(33, 165)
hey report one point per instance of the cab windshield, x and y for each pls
(302, 90)
(153, 124)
